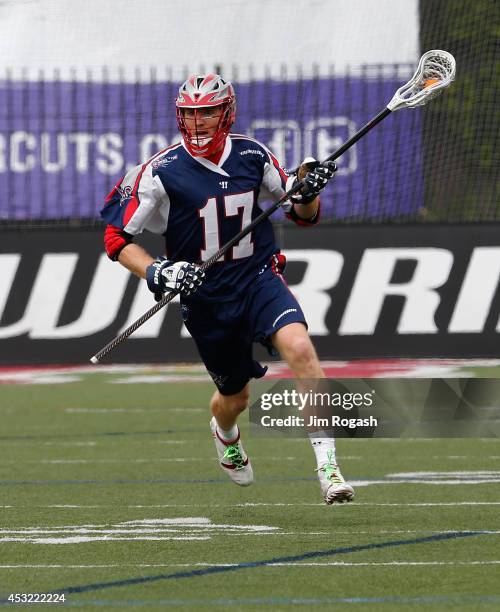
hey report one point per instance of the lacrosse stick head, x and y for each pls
(435, 71)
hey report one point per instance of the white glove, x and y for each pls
(315, 176)
(180, 276)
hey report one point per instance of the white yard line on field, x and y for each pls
(70, 443)
(160, 378)
(163, 529)
(461, 503)
(114, 565)
(123, 461)
(263, 504)
(433, 478)
(382, 563)
(298, 563)
(94, 443)
(104, 538)
(164, 410)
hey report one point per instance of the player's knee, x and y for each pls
(240, 400)
(302, 356)
(236, 403)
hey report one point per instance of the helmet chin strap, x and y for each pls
(217, 154)
(210, 154)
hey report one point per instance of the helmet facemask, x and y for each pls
(196, 97)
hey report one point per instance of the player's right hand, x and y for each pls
(180, 276)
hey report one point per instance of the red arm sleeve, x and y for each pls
(114, 241)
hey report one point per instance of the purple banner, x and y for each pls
(64, 145)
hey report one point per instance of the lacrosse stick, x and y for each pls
(435, 71)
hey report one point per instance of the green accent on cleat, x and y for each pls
(331, 469)
(233, 454)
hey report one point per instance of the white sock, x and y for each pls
(228, 434)
(324, 447)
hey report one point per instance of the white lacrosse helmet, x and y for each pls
(201, 91)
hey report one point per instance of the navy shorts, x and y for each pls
(225, 332)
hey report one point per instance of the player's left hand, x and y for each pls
(181, 276)
(315, 176)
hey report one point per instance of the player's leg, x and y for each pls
(227, 357)
(232, 457)
(294, 345)
(277, 317)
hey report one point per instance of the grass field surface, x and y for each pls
(110, 493)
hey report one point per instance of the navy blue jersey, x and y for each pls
(199, 206)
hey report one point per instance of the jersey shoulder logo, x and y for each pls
(164, 161)
(252, 152)
(125, 194)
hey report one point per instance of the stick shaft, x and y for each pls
(359, 134)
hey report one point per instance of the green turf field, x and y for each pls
(111, 494)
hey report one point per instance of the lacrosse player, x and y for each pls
(199, 193)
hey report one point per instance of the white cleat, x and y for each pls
(334, 488)
(232, 457)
